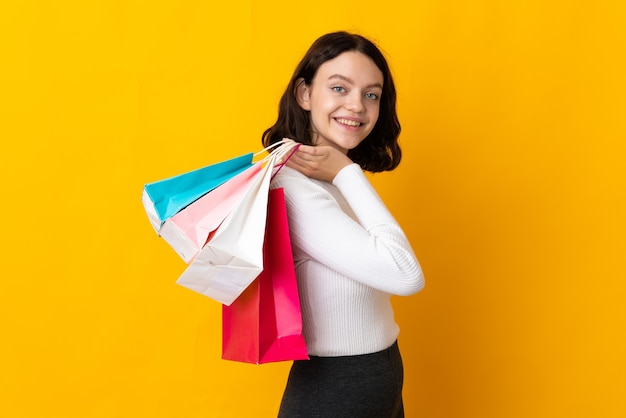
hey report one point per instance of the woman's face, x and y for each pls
(343, 100)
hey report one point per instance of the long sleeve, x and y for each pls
(349, 230)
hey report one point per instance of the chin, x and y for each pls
(351, 145)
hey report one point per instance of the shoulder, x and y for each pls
(293, 180)
(301, 190)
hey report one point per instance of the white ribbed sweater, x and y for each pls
(350, 256)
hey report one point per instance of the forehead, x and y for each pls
(354, 66)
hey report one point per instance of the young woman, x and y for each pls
(350, 254)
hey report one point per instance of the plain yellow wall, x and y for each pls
(512, 191)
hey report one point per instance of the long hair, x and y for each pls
(379, 151)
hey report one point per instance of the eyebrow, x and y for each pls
(349, 80)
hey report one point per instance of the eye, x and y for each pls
(371, 96)
(338, 89)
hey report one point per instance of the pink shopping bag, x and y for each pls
(264, 324)
(188, 230)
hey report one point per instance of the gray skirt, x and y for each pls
(363, 386)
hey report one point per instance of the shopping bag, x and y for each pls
(264, 324)
(162, 199)
(189, 229)
(233, 257)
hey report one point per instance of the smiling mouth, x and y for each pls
(348, 122)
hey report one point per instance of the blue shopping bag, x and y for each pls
(163, 199)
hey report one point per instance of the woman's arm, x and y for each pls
(363, 242)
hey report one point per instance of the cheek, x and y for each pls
(322, 111)
(375, 113)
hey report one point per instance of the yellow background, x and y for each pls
(512, 191)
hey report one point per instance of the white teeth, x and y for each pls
(349, 122)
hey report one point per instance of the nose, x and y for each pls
(354, 103)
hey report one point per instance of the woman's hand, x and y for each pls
(318, 162)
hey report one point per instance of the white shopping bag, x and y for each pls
(233, 257)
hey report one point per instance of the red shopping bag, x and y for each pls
(264, 324)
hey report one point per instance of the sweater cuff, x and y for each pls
(345, 173)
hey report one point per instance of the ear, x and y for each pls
(303, 94)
